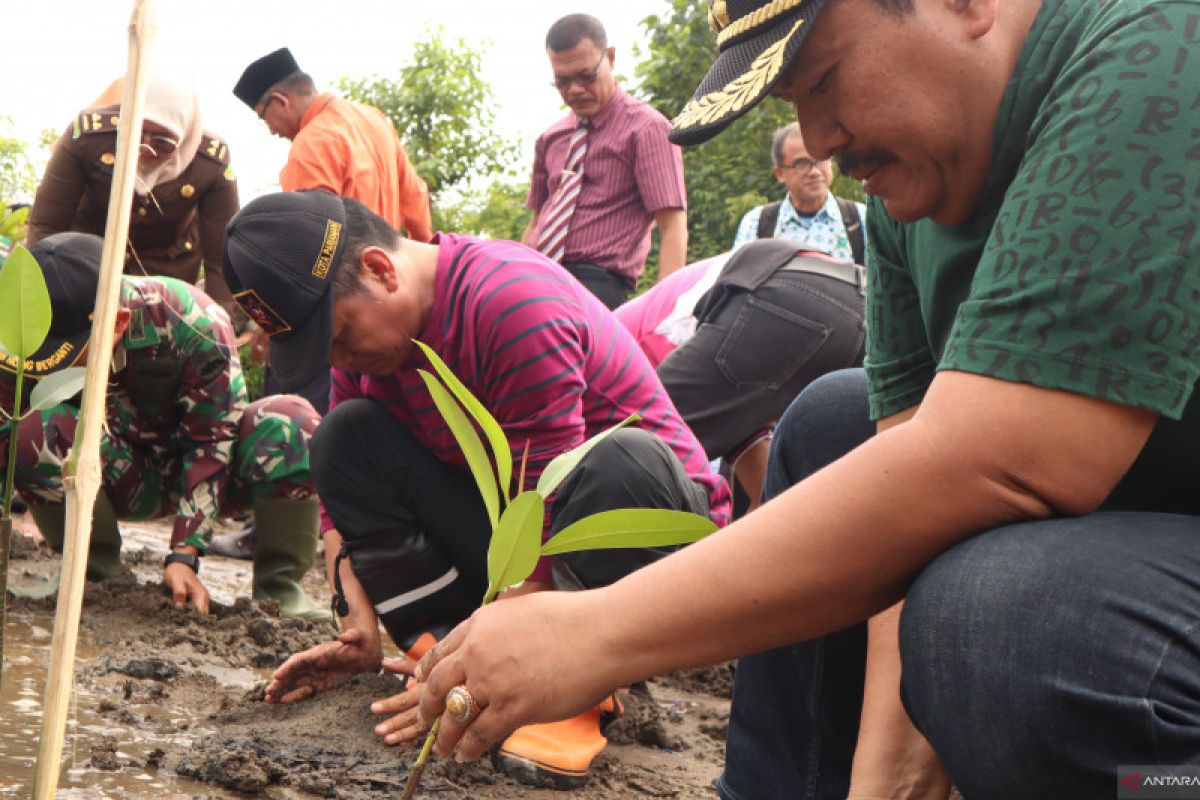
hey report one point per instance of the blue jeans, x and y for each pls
(1037, 657)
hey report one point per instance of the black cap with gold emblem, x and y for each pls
(282, 252)
(70, 263)
(756, 40)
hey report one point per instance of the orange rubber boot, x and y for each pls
(417, 650)
(558, 754)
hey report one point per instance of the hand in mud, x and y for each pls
(319, 668)
(185, 587)
(404, 727)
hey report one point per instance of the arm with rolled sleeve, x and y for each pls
(658, 171)
(673, 237)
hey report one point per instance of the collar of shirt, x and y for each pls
(315, 107)
(788, 215)
(619, 98)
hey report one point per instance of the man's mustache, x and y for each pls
(869, 160)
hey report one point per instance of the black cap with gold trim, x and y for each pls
(282, 252)
(756, 40)
(70, 263)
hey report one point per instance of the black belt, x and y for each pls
(844, 271)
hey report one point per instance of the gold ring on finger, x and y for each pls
(461, 706)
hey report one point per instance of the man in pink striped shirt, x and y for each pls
(604, 173)
(322, 274)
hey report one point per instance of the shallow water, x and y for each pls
(26, 654)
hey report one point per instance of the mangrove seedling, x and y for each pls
(515, 545)
(24, 324)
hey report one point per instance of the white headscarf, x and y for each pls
(177, 110)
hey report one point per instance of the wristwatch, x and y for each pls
(190, 559)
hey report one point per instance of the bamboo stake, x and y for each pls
(81, 475)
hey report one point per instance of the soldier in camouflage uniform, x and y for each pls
(182, 201)
(180, 437)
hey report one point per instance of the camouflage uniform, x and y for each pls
(180, 437)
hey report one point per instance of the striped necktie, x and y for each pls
(552, 242)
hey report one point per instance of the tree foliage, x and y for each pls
(731, 173)
(18, 177)
(497, 211)
(442, 109)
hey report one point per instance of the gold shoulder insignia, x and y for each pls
(215, 149)
(739, 93)
(187, 190)
(96, 122)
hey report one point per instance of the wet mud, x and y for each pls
(169, 703)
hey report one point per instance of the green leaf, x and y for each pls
(513, 552)
(630, 527)
(56, 387)
(24, 304)
(563, 463)
(501, 452)
(12, 221)
(468, 442)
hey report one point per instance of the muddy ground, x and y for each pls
(169, 703)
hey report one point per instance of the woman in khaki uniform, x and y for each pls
(184, 193)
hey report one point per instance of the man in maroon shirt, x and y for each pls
(629, 176)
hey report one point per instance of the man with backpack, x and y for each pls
(810, 214)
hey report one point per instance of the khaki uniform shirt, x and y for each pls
(175, 228)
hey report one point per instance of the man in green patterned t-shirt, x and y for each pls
(1018, 463)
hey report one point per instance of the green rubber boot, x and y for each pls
(104, 553)
(287, 543)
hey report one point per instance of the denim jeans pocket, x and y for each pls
(767, 344)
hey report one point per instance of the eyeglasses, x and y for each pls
(585, 78)
(263, 114)
(802, 164)
(159, 144)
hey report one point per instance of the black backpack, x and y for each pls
(850, 218)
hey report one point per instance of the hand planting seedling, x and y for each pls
(515, 545)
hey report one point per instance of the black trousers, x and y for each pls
(608, 286)
(417, 530)
(753, 354)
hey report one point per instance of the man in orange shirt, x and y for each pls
(344, 147)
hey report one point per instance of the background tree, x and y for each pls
(18, 171)
(728, 175)
(442, 109)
